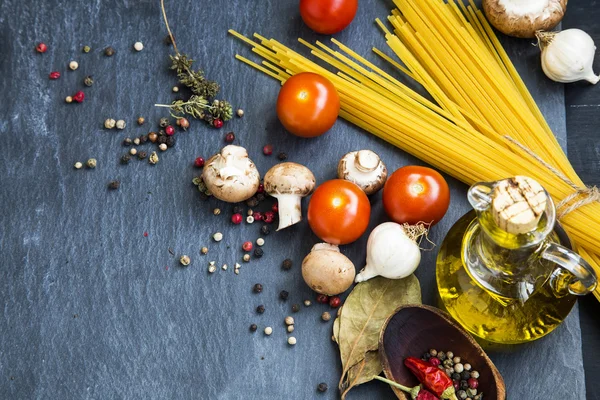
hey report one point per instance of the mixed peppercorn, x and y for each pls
(464, 379)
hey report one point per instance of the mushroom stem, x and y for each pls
(290, 210)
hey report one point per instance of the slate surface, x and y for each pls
(93, 309)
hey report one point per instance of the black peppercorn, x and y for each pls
(109, 51)
(125, 159)
(257, 288)
(260, 309)
(143, 139)
(282, 156)
(253, 328)
(170, 141)
(164, 122)
(260, 197)
(114, 185)
(456, 376)
(426, 357)
(126, 142)
(286, 264)
(237, 210)
(162, 133)
(252, 202)
(296, 307)
(162, 139)
(465, 375)
(258, 252)
(464, 385)
(142, 155)
(441, 355)
(265, 230)
(322, 387)
(283, 295)
(88, 81)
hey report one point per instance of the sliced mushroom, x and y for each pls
(364, 168)
(327, 271)
(289, 182)
(230, 175)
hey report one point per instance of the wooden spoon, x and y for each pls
(414, 329)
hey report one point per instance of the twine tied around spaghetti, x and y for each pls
(582, 195)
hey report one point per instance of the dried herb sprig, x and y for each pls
(202, 88)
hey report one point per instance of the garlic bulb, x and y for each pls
(392, 252)
(567, 56)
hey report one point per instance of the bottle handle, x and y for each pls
(584, 278)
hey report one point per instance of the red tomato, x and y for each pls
(416, 194)
(308, 104)
(328, 16)
(339, 212)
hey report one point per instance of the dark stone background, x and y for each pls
(90, 309)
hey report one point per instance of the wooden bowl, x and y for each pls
(414, 329)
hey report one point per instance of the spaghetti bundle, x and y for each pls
(483, 124)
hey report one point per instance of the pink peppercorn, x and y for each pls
(183, 123)
(323, 299)
(335, 302)
(79, 97)
(275, 207)
(434, 361)
(54, 75)
(258, 216)
(268, 217)
(199, 162)
(268, 150)
(237, 218)
(41, 48)
(169, 130)
(218, 123)
(247, 246)
(261, 188)
(230, 137)
(473, 383)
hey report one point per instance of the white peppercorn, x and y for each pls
(450, 355)
(326, 316)
(249, 219)
(138, 46)
(121, 124)
(133, 151)
(91, 163)
(175, 89)
(246, 257)
(291, 340)
(162, 147)
(456, 360)
(307, 303)
(78, 165)
(109, 123)
(474, 374)
(268, 330)
(289, 320)
(185, 260)
(68, 99)
(467, 367)
(240, 112)
(290, 328)
(458, 368)
(217, 237)
(73, 65)
(204, 250)
(260, 242)
(136, 141)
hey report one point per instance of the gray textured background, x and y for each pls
(90, 310)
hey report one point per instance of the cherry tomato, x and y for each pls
(308, 105)
(416, 194)
(328, 16)
(339, 212)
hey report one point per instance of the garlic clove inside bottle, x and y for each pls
(568, 56)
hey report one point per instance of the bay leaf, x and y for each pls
(363, 371)
(336, 325)
(365, 310)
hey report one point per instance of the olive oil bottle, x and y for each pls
(503, 272)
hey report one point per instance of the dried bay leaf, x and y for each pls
(336, 325)
(365, 310)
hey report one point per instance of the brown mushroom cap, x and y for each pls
(289, 178)
(327, 271)
(363, 168)
(523, 25)
(230, 175)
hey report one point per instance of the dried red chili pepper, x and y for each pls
(432, 378)
(416, 393)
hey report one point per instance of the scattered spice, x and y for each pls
(86, 49)
(296, 308)
(260, 242)
(257, 288)
(237, 210)
(291, 340)
(282, 156)
(323, 299)
(216, 211)
(175, 89)
(141, 121)
(247, 246)
(142, 155)
(78, 165)
(73, 65)
(236, 218)
(183, 123)
(68, 99)
(133, 151)
(268, 331)
(171, 251)
(185, 260)
(283, 295)
(335, 302)
(121, 124)
(224, 267)
(88, 81)
(290, 328)
(433, 378)
(91, 163)
(246, 257)
(136, 141)
(125, 159)
(218, 123)
(163, 122)
(152, 136)
(41, 48)
(265, 230)
(230, 137)
(258, 252)
(260, 309)
(240, 112)
(253, 328)
(54, 75)
(79, 97)
(212, 267)
(289, 320)
(250, 219)
(109, 51)
(127, 142)
(307, 303)
(109, 123)
(268, 150)
(217, 237)
(169, 130)
(322, 387)
(162, 147)
(153, 158)
(286, 264)
(138, 46)
(204, 250)
(326, 316)
(114, 185)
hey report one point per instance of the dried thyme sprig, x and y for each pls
(202, 88)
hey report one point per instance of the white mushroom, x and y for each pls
(289, 182)
(523, 18)
(230, 175)
(327, 271)
(364, 168)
